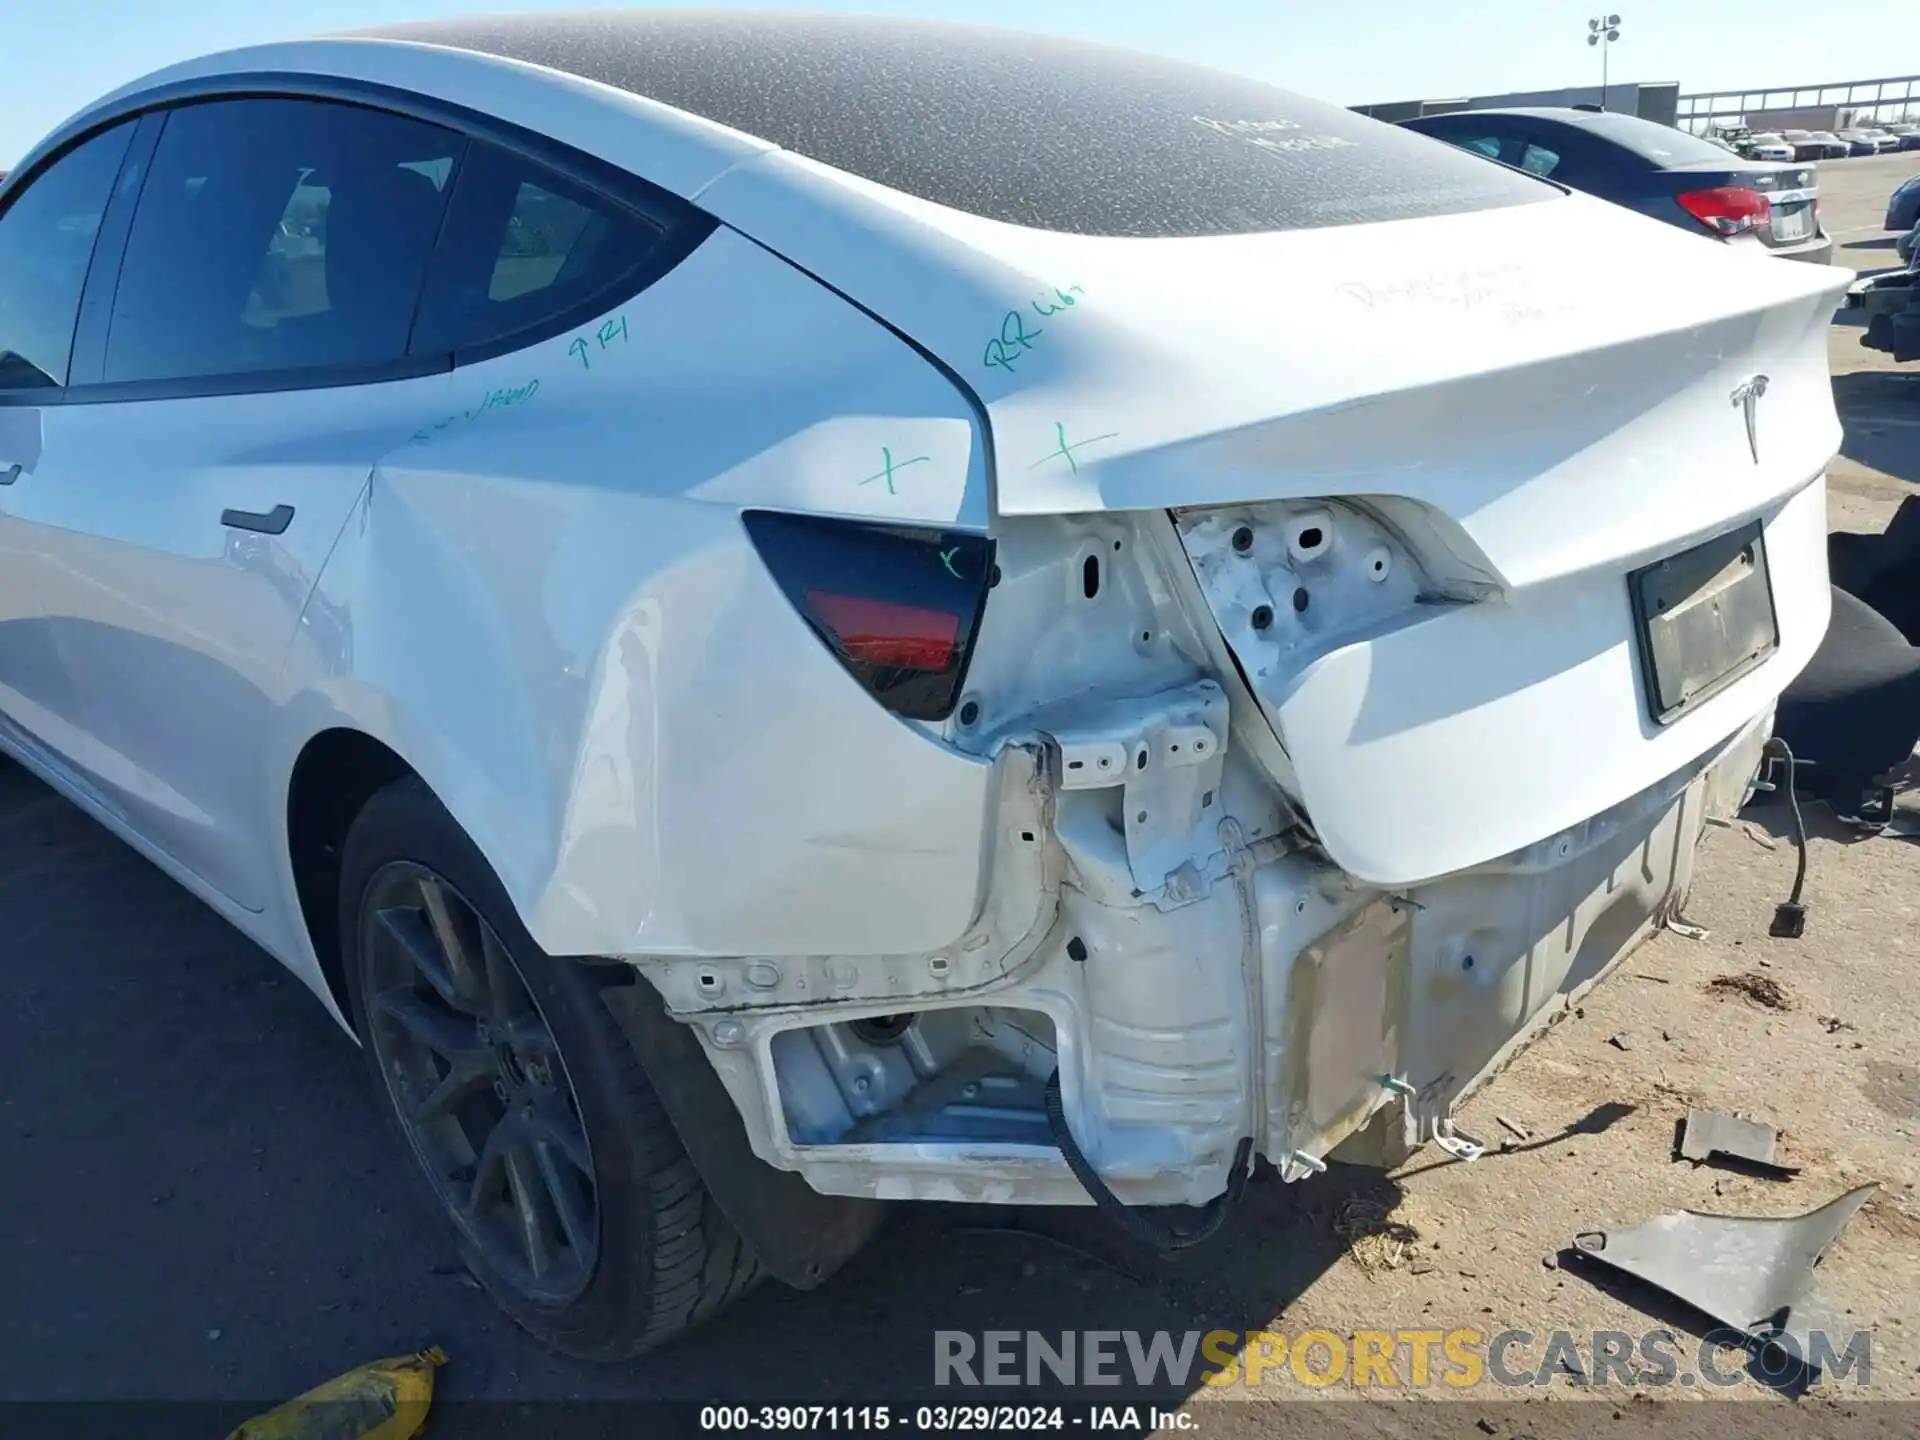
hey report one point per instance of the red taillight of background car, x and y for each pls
(1727, 209)
(897, 605)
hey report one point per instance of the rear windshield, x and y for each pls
(1055, 134)
(1662, 144)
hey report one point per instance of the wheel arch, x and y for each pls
(336, 772)
(800, 1235)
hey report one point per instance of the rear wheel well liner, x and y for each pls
(337, 772)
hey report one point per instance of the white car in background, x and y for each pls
(779, 613)
(1769, 147)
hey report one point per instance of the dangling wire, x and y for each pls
(1167, 1239)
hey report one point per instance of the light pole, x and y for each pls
(1603, 32)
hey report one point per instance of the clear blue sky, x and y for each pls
(56, 55)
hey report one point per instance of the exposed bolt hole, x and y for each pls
(1106, 763)
(1300, 906)
(1076, 765)
(1206, 800)
(882, 1029)
(1076, 949)
(1146, 637)
(1140, 761)
(1466, 962)
(1308, 536)
(969, 712)
(1262, 616)
(709, 981)
(1173, 749)
(1141, 817)
(1199, 747)
(1116, 545)
(1243, 539)
(938, 967)
(1090, 576)
(1027, 836)
(1300, 599)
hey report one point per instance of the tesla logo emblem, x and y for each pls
(1747, 396)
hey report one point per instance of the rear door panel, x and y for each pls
(213, 443)
(172, 623)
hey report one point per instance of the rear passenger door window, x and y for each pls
(46, 245)
(1539, 160)
(276, 236)
(526, 250)
(1484, 138)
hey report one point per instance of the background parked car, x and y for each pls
(1655, 169)
(1812, 145)
(1903, 206)
(1769, 147)
(1908, 134)
(1863, 141)
(1831, 145)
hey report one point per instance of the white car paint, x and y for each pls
(550, 610)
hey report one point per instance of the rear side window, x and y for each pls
(46, 245)
(521, 247)
(1539, 160)
(278, 235)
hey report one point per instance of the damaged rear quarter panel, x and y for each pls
(548, 606)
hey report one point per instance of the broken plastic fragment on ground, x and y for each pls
(381, 1400)
(1708, 1134)
(1754, 1273)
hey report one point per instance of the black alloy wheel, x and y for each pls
(548, 1155)
(478, 1082)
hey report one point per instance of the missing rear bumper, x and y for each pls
(1287, 1002)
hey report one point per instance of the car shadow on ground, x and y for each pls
(1881, 412)
(205, 1205)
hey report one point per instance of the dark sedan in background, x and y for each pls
(1655, 169)
(1903, 216)
(1869, 140)
(1903, 207)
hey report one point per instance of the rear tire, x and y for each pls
(544, 1149)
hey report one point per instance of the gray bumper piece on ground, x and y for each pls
(1750, 1272)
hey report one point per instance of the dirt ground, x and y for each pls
(196, 1201)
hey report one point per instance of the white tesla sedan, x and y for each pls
(779, 613)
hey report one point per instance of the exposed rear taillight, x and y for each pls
(898, 605)
(1728, 209)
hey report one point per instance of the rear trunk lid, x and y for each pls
(1792, 192)
(1472, 386)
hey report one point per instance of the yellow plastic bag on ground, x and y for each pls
(382, 1400)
